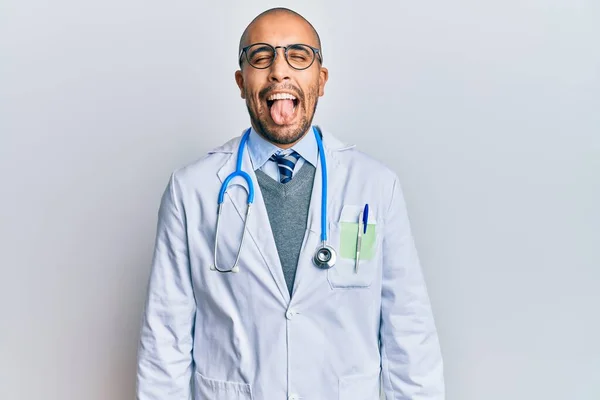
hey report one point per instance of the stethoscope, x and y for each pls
(325, 255)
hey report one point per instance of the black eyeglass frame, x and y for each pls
(316, 54)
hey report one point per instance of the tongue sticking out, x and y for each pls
(282, 111)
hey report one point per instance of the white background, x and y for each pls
(488, 110)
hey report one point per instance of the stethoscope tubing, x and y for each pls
(238, 172)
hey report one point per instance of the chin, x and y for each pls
(286, 134)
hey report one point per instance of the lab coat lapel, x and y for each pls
(259, 228)
(307, 274)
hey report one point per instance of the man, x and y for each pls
(278, 326)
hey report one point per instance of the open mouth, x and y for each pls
(282, 107)
(281, 96)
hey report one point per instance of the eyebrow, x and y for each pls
(299, 46)
(261, 48)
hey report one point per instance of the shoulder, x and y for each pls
(208, 164)
(365, 174)
(354, 159)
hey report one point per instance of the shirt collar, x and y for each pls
(261, 150)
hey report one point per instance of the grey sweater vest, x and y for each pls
(287, 206)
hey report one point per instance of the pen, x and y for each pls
(363, 220)
(359, 241)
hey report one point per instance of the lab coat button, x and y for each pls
(289, 314)
(294, 397)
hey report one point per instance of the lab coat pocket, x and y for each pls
(212, 389)
(343, 237)
(360, 387)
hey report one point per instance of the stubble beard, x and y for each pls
(284, 136)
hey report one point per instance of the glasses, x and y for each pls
(263, 55)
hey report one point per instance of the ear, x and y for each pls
(323, 76)
(239, 79)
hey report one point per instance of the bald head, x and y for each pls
(275, 12)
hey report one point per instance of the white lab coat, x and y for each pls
(240, 336)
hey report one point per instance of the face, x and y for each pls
(281, 100)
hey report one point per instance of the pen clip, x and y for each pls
(365, 217)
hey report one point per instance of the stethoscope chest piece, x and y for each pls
(325, 257)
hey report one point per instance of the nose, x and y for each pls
(280, 70)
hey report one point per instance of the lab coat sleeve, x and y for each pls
(412, 367)
(164, 368)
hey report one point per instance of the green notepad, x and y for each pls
(348, 238)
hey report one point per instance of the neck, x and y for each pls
(286, 146)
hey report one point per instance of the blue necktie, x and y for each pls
(286, 163)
